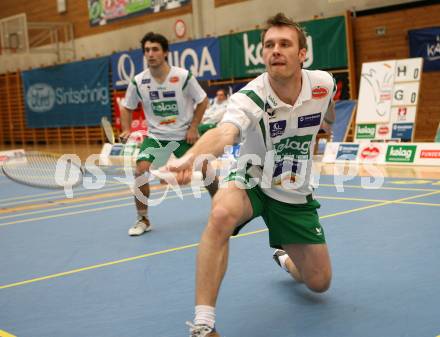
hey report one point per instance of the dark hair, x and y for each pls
(280, 20)
(153, 37)
(225, 92)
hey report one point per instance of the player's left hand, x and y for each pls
(192, 135)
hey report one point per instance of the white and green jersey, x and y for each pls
(281, 136)
(169, 106)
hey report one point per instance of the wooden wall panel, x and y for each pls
(78, 14)
(394, 45)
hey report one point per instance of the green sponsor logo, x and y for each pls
(241, 53)
(165, 108)
(401, 153)
(297, 146)
(365, 131)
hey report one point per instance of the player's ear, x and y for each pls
(302, 54)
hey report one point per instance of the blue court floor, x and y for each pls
(69, 269)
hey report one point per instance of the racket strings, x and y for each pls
(40, 170)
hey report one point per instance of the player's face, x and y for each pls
(281, 53)
(220, 96)
(154, 54)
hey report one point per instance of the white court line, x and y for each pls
(84, 203)
(4, 224)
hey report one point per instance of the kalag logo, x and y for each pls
(366, 131)
(295, 146)
(403, 153)
(277, 128)
(40, 97)
(166, 108)
(252, 52)
(399, 152)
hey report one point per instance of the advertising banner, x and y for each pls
(372, 153)
(427, 154)
(397, 153)
(426, 43)
(365, 131)
(73, 94)
(102, 12)
(326, 49)
(125, 66)
(347, 151)
(201, 57)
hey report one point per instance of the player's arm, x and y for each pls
(193, 89)
(330, 114)
(127, 106)
(212, 142)
(215, 140)
(126, 118)
(329, 117)
(192, 133)
(241, 116)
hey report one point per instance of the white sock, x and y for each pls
(205, 314)
(283, 259)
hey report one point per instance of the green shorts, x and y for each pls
(155, 150)
(287, 223)
(202, 128)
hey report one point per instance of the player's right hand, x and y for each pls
(124, 135)
(182, 168)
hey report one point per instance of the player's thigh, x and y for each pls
(232, 204)
(312, 260)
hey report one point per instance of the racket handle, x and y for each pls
(196, 175)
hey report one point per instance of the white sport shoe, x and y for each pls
(201, 330)
(277, 254)
(141, 226)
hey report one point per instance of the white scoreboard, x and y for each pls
(388, 97)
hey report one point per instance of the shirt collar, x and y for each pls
(275, 102)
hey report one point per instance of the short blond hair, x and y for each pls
(280, 20)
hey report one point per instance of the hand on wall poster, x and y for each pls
(375, 95)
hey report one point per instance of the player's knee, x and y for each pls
(221, 220)
(319, 283)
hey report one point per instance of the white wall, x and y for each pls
(205, 20)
